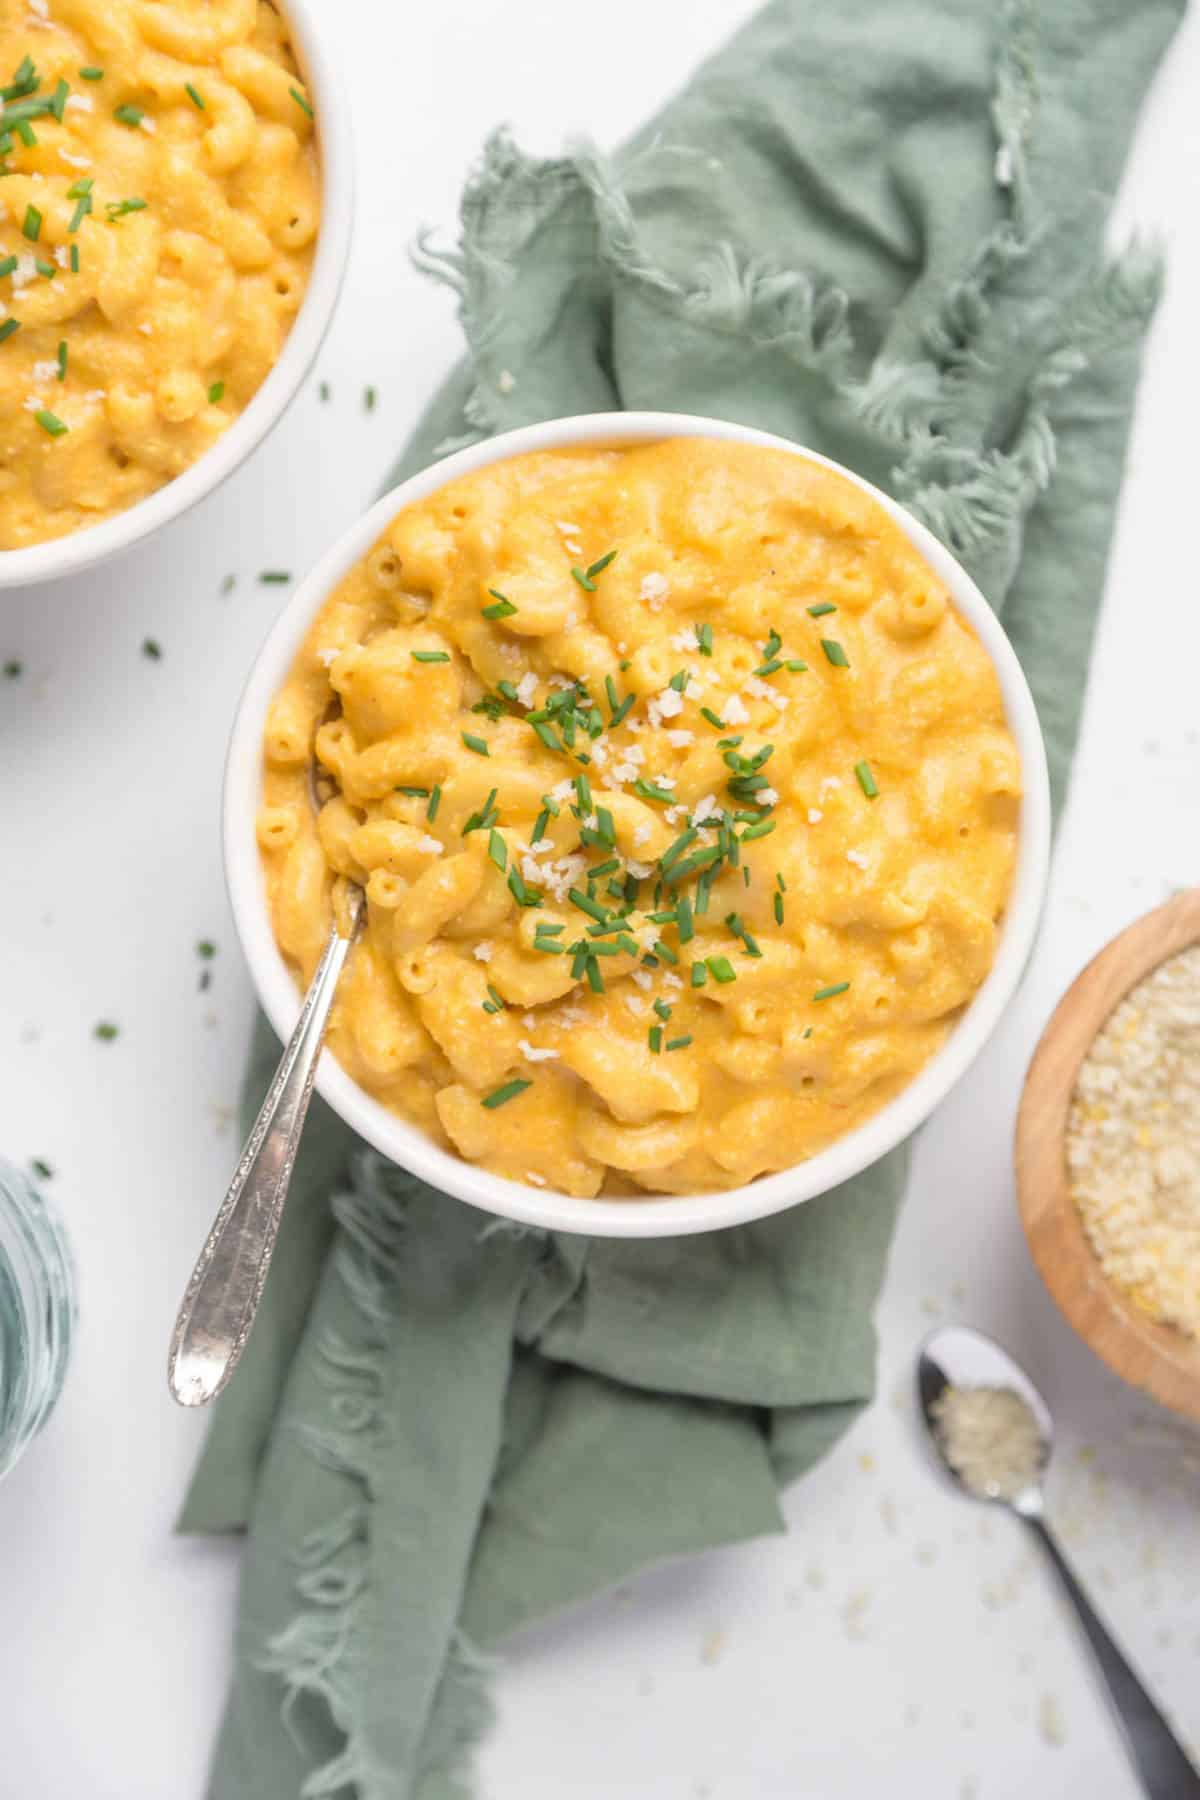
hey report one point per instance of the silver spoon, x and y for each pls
(960, 1358)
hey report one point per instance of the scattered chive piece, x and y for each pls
(497, 850)
(665, 951)
(501, 1095)
(51, 424)
(415, 793)
(706, 712)
(828, 993)
(62, 359)
(683, 920)
(648, 791)
(91, 74)
(13, 669)
(721, 969)
(370, 396)
(206, 949)
(302, 103)
(74, 259)
(7, 265)
(195, 96)
(323, 390)
(663, 1010)
(273, 577)
(586, 904)
(431, 656)
(585, 581)
(508, 690)
(152, 649)
(503, 609)
(699, 974)
(679, 680)
(48, 269)
(106, 1031)
(779, 909)
(494, 1002)
(545, 734)
(680, 1043)
(228, 584)
(435, 800)
(768, 668)
(654, 1038)
(704, 639)
(763, 828)
(819, 612)
(600, 564)
(129, 115)
(58, 99)
(544, 928)
(8, 327)
(834, 653)
(866, 780)
(477, 744)
(117, 209)
(794, 666)
(605, 825)
(583, 793)
(216, 393)
(41, 1168)
(624, 707)
(31, 225)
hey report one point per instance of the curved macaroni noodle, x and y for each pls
(684, 802)
(157, 225)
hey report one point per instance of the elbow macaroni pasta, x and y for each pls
(684, 803)
(157, 223)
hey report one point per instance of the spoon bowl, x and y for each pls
(957, 1357)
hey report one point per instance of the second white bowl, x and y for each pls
(676, 1215)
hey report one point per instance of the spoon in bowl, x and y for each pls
(993, 1433)
(217, 1310)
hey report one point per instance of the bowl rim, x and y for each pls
(94, 544)
(665, 1216)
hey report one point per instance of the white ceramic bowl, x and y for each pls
(317, 50)
(665, 1217)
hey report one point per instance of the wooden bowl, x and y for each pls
(1159, 1359)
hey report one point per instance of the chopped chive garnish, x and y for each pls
(654, 1038)
(13, 669)
(773, 645)
(51, 423)
(31, 225)
(605, 825)
(819, 612)
(62, 359)
(794, 666)
(501, 1095)
(117, 209)
(508, 690)
(648, 791)
(502, 608)
(195, 96)
(45, 268)
(706, 712)
(778, 909)
(866, 780)
(152, 651)
(74, 259)
(587, 905)
(216, 393)
(721, 969)
(834, 653)
(58, 100)
(477, 744)
(431, 656)
(106, 1031)
(7, 265)
(665, 951)
(703, 859)
(544, 928)
(699, 974)
(625, 706)
(544, 733)
(274, 577)
(8, 327)
(583, 793)
(485, 818)
(301, 102)
(674, 851)
(704, 639)
(435, 800)
(679, 680)
(41, 1168)
(768, 668)
(763, 828)
(828, 993)
(494, 1002)
(680, 1043)
(600, 564)
(415, 793)
(83, 206)
(497, 850)
(663, 1010)
(683, 920)
(129, 115)
(91, 74)
(370, 397)
(523, 895)
(585, 581)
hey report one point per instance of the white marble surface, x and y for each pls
(897, 1639)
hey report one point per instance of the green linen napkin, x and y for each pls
(877, 229)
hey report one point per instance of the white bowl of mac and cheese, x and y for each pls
(173, 234)
(701, 809)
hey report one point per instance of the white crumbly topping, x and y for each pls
(328, 656)
(540, 846)
(679, 740)
(857, 858)
(667, 705)
(663, 781)
(527, 688)
(636, 1004)
(642, 977)
(830, 785)
(990, 1438)
(567, 529)
(815, 815)
(642, 834)
(762, 690)
(25, 271)
(639, 870)
(430, 845)
(705, 808)
(483, 951)
(1003, 167)
(767, 797)
(673, 814)
(506, 381)
(76, 162)
(45, 371)
(533, 1055)
(79, 103)
(734, 711)
(532, 1175)
(654, 590)
(562, 789)
(672, 983)
(62, 256)
(1133, 1143)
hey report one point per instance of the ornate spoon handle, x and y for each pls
(217, 1311)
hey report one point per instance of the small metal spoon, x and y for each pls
(961, 1358)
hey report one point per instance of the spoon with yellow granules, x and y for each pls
(993, 1432)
